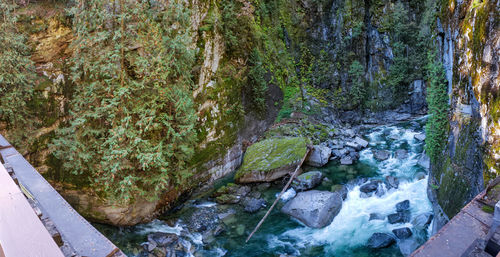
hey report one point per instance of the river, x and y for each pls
(347, 235)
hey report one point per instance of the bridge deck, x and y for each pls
(22, 234)
(460, 235)
(81, 235)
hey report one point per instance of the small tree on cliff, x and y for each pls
(132, 127)
(437, 100)
(16, 73)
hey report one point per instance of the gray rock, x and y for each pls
(349, 133)
(308, 180)
(314, 208)
(163, 239)
(381, 155)
(354, 145)
(399, 217)
(420, 175)
(419, 137)
(401, 154)
(363, 143)
(423, 220)
(403, 116)
(424, 161)
(243, 191)
(319, 156)
(380, 191)
(341, 189)
(403, 206)
(354, 156)
(407, 246)
(380, 240)
(369, 187)
(347, 160)
(338, 146)
(252, 205)
(376, 216)
(392, 182)
(402, 233)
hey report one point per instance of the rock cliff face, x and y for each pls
(469, 42)
(329, 38)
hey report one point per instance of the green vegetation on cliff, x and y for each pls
(437, 99)
(17, 74)
(132, 116)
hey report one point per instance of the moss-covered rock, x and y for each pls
(271, 159)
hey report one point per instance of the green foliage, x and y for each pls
(257, 82)
(437, 100)
(16, 75)
(358, 91)
(132, 118)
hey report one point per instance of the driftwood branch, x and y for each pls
(281, 194)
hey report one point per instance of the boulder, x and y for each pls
(341, 189)
(424, 161)
(347, 160)
(407, 246)
(363, 143)
(354, 145)
(380, 240)
(319, 156)
(369, 187)
(403, 206)
(252, 205)
(308, 180)
(401, 154)
(376, 216)
(314, 208)
(423, 220)
(420, 175)
(399, 217)
(402, 233)
(163, 239)
(227, 199)
(419, 137)
(392, 182)
(354, 156)
(381, 155)
(271, 159)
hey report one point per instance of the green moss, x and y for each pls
(273, 153)
(488, 209)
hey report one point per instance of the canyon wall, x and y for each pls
(469, 44)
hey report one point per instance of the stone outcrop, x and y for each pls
(469, 45)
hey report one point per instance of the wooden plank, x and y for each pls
(22, 234)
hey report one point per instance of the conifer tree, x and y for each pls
(132, 128)
(16, 73)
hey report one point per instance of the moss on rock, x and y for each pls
(271, 159)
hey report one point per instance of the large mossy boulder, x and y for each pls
(271, 159)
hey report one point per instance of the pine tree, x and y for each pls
(16, 74)
(132, 130)
(437, 100)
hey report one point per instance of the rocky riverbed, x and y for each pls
(362, 193)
